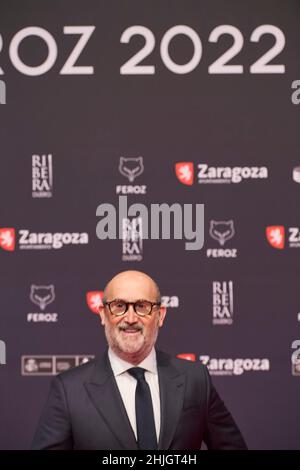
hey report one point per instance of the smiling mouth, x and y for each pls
(130, 331)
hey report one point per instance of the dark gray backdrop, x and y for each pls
(87, 122)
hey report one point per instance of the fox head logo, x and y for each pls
(94, 300)
(7, 239)
(131, 167)
(185, 172)
(42, 295)
(187, 356)
(276, 236)
(221, 231)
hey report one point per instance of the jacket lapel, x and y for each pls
(104, 393)
(171, 389)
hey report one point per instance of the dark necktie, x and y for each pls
(145, 424)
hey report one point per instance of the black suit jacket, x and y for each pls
(85, 410)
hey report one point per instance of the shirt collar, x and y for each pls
(119, 366)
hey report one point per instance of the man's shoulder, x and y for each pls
(81, 373)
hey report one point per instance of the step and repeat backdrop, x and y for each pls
(171, 105)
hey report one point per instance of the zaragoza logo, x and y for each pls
(7, 239)
(276, 236)
(94, 300)
(39, 240)
(185, 172)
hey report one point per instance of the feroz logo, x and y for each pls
(185, 172)
(42, 176)
(222, 303)
(94, 300)
(7, 239)
(221, 231)
(131, 168)
(2, 352)
(276, 236)
(42, 295)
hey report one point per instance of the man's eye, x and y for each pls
(142, 305)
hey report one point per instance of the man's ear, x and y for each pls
(102, 314)
(162, 313)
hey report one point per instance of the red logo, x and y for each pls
(7, 239)
(275, 236)
(94, 300)
(185, 172)
(188, 357)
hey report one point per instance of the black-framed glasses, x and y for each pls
(118, 307)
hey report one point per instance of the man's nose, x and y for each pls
(130, 315)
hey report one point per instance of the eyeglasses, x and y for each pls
(119, 307)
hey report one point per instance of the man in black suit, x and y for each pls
(135, 396)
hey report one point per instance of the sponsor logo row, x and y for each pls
(132, 168)
(278, 236)
(36, 365)
(222, 306)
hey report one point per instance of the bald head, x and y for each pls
(132, 285)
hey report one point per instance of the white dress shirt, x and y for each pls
(127, 385)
